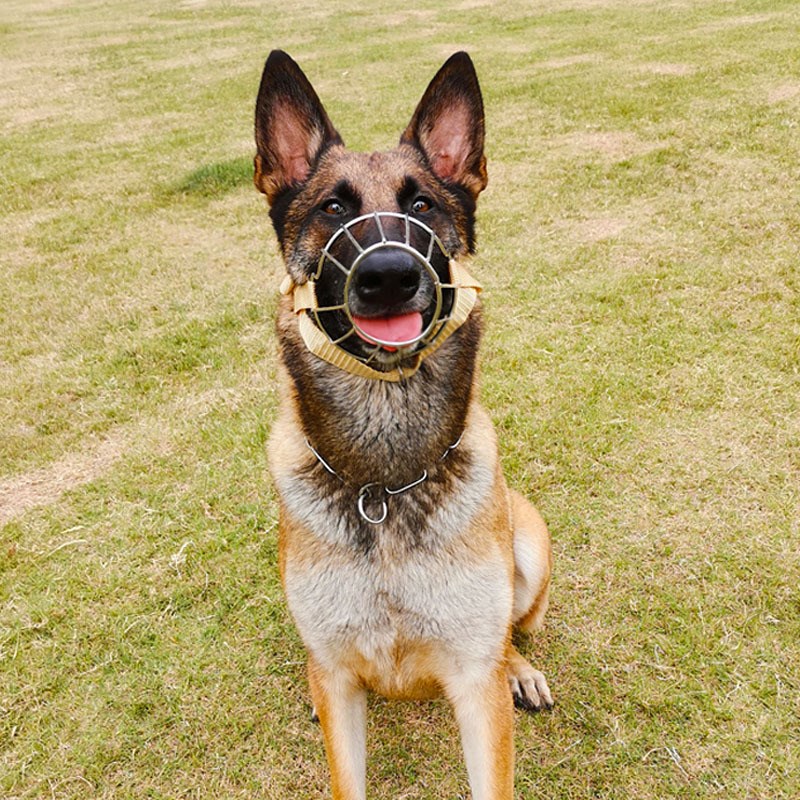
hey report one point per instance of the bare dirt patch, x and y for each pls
(608, 145)
(569, 61)
(409, 16)
(590, 5)
(600, 228)
(44, 486)
(608, 224)
(783, 93)
(666, 68)
(736, 22)
(470, 5)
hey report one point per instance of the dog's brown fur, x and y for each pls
(424, 603)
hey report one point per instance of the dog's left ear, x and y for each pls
(448, 125)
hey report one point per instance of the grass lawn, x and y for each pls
(639, 246)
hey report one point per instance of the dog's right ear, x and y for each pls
(292, 128)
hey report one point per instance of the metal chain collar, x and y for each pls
(365, 491)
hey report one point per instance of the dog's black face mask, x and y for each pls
(383, 287)
(379, 294)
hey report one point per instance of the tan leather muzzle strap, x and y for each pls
(305, 300)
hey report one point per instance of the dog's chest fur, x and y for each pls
(392, 601)
(393, 621)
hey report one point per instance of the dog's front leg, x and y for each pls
(485, 714)
(341, 705)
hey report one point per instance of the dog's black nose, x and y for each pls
(388, 276)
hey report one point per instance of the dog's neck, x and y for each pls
(371, 430)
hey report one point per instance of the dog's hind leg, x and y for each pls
(341, 705)
(532, 566)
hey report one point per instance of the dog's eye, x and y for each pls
(334, 208)
(421, 205)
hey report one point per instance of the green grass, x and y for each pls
(638, 242)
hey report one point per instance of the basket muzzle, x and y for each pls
(344, 331)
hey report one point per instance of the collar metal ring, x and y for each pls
(363, 493)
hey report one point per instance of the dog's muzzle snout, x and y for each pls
(388, 273)
(386, 278)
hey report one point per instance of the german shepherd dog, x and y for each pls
(405, 558)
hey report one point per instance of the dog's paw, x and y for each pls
(314, 715)
(528, 687)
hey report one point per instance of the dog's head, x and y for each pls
(375, 232)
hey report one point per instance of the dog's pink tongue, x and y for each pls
(394, 330)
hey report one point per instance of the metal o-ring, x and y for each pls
(363, 493)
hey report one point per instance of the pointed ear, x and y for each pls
(292, 128)
(448, 125)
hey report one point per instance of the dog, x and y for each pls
(404, 557)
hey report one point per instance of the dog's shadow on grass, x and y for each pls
(216, 180)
